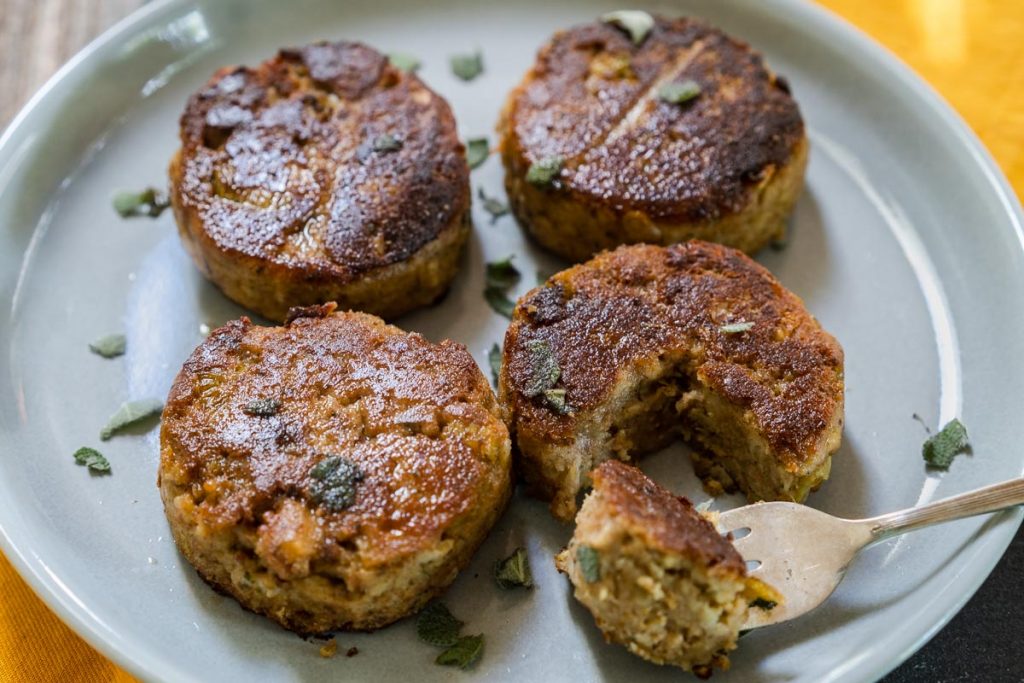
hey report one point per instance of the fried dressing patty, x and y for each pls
(323, 174)
(621, 355)
(334, 473)
(656, 575)
(726, 166)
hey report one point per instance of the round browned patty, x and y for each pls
(619, 356)
(334, 473)
(656, 575)
(323, 174)
(725, 166)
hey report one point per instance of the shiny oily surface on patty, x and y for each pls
(417, 419)
(326, 161)
(643, 302)
(591, 99)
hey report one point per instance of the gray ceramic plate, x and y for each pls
(906, 245)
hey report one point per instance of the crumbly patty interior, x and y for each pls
(417, 419)
(645, 356)
(663, 606)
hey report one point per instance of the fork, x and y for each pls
(775, 537)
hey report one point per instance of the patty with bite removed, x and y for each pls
(726, 165)
(335, 473)
(621, 355)
(323, 174)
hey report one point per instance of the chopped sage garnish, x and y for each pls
(940, 449)
(464, 653)
(477, 151)
(263, 407)
(678, 93)
(110, 346)
(544, 369)
(436, 625)
(501, 273)
(404, 61)
(93, 459)
(494, 359)
(762, 603)
(150, 202)
(555, 398)
(468, 66)
(334, 481)
(779, 244)
(514, 570)
(130, 413)
(499, 301)
(496, 208)
(589, 562)
(544, 172)
(636, 23)
(736, 328)
(386, 143)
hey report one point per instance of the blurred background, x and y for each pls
(971, 51)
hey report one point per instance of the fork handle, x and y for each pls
(977, 502)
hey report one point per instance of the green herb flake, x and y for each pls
(544, 172)
(110, 346)
(404, 61)
(386, 143)
(467, 66)
(555, 398)
(493, 206)
(736, 328)
(263, 407)
(93, 459)
(636, 23)
(131, 412)
(678, 93)
(494, 358)
(514, 570)
(762, 603)
(544, 369)
(464, 653)
(334, 481)
(543, 275)
(589, 562)
(499, 301)
(779, 244)
(150, 202)
(940, 449)
(477, 151)
(501, 273)
(436, 626)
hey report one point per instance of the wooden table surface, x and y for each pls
(971, 51)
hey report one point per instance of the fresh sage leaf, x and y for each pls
(736, 328)
(636, 23)
(514, 570)
(499, 301)
(386, 143)
(334, 482)
(494, 359)
(555, 398)
(93, 459)
(544, 172)
(149, 202)
(110, 346)
(436, 625)
(496, 208)
(501, 273)
(544, 369)
(467, 66)
(130, 413)
(404, 61)
(464, 653)
(940, 449)
(678, 93)
(477, 151)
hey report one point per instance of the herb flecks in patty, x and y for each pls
(543, 173)
(736, 328)
(333, 483)
(636, 23)
(589, 562)
(264, 407)
(679, 93)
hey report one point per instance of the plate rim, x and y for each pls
(144, 664)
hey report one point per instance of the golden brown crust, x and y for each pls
(669, 523)
(591, 99)
(417, 419)
(641, 311)
(279, 173)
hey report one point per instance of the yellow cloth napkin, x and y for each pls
(969, 50)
